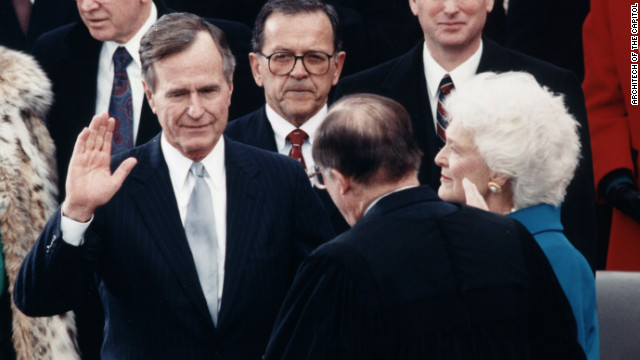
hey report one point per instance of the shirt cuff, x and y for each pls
(73, 231)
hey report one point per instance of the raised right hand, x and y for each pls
(90, 183)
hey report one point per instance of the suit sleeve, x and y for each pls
(54, 275)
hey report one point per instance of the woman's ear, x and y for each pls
(500, 179)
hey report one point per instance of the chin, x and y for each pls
(446, 195)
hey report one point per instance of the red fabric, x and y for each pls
(614, 123)
(297, 138)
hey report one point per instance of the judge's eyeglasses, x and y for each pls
(316, 177)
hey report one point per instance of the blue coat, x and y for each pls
(571, 269)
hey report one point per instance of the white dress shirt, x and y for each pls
(134, 72)
(434, 74)
(217, 180)
(73, 231)
(282, 128)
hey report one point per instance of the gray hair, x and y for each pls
(175, 32)
(522, 130)
(294, 7)
(369, 138)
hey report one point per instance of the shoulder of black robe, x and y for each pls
(366, 296)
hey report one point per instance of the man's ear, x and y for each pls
(340, 56)
(489, 5)
(344, 182)
(149, 95)
(254, 61)
(414, 7)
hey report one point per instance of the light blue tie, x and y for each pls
(201, 234)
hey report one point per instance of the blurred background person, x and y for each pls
(512, 148)
(22, 21)
(28, 193)
(614, 123)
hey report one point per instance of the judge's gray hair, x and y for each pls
(522, 130)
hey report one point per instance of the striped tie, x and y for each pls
(446, 85)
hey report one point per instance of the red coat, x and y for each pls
(614, 122)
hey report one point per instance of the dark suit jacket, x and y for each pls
(154, 305)
(45, 15)
(403, 80)
(69, 56)
(255, 129)
(417, 278)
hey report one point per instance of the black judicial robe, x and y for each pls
(417, 278)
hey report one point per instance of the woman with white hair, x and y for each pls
(512, 149)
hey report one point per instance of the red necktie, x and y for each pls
(23, 13)
(446, 85)
(297, 138)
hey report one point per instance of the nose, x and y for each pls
(450, 7)
(441, 156)
(196, 107)
(87, 5)
(298, 69)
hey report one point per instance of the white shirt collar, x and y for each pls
(434, 72)
(179, 165)
(133, 45)
(281, 127)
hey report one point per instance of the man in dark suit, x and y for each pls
(77, 59)
(414, 278)
(296, 58)
(174, 284)
(454, 46)
(44, 15)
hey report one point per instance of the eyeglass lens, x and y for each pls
(315, 62)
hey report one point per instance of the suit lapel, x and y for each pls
(149, 125)
(408, 84)
(152, 190)
(261, 134)
(84, 57)
(244, 211)
(492, 58)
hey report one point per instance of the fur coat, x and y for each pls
(28, 193)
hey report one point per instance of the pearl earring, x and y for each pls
(494, 188)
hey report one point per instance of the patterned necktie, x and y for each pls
(297, 138)
(446, 85)
(200, 228)
(23, 13)
(120, 105)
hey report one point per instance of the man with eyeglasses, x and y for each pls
(296, 58)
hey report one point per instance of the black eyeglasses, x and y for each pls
(283, 63)
(316, 177)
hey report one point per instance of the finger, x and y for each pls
(108, 136)
(472, 195)
(100, 133)
(80, 145)
(90, 143)
(123, 170)
(98, 120)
